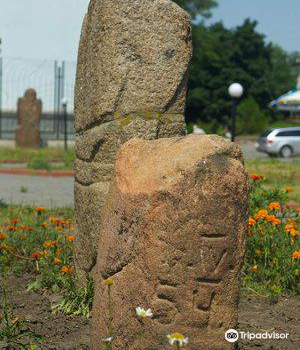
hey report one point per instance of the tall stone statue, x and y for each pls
(131, 82)
(29, 117)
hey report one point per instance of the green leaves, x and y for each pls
(197, 7)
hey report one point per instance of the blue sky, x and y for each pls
(49, 29)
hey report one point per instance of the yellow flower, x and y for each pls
(258, 251)
(58, 229)
(274, 206)
(254, 268)
(108, 282)
(251, 222)
(57, 261)
(177, 339)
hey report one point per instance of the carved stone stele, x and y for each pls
(172, 239)
(29, 113)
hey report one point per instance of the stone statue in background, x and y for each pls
(131, 81)
(29, 116)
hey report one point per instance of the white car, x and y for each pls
(283, 142)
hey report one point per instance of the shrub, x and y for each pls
(250, 118)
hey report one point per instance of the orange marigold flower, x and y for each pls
(36, 255)
(71, 238)
(63, 223)
(288, 189)
(57, 261)
(59, 250)
(48, 244)
(23, 227)
(291, 225)
(54, 220)
(66, 269)
(274, 206)
(58, 229)
(11, 228)
(251, 222)
(44, 225)
(39, 209)
(296, 255)
(256, 177)
(254, 268)
(262, 214)
(273, 219)
(14, 221)
(258, 251)
(294, 233)
(2, 236)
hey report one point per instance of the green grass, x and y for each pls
(35, 157)
(283, 124)
(278, 173)
(24, 213)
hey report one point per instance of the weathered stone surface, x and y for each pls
(172, 239)
(29, 116)
(131, 82)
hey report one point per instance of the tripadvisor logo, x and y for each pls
(232, 335)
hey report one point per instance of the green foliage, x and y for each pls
(77, 300)
(23, 189)
(39, 164)
(250, 118)
(197, 7)
(273, 243)
(222, 56)
(39, 158)
(41, 242)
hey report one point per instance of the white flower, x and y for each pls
(107, 340)
(143, 313)
(178, 338)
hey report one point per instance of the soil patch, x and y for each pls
(61, 332)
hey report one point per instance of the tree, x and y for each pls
(222, 56)
(250, 118)
(197, 7)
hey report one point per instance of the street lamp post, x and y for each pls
(64, 104)
(236, 92)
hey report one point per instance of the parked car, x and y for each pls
(283, 142)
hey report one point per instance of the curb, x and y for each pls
(31, 172)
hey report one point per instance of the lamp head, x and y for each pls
(236, 90)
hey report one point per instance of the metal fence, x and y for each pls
(52, 81)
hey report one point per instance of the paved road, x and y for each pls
(41, 190)
(251, 153)
(57, 191)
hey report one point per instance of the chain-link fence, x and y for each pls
(52, 81)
